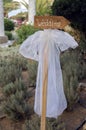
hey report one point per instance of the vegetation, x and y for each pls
(10, 5)
(24, 32)
(9, 35)
(70, 67)
(11, 80)
(82, 46)
(52, 124)
(25, 4)
(32, 72)
(12, 64)
(9, 25)
(15, 90)
(74, 10)
(21, 16)
(15, 104)
(43, 7)
(9, 72)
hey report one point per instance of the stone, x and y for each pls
(3, 39)
(82, 94)
(84, 127)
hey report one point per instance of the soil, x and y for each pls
(74, 118)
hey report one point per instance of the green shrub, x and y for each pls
(32, 72)
(15, 104)
(82, 46)
(82, 59)
(70, 69)
(24, 32)
(51, 124)
(11, 68)
(9, 25)
(18, 62)
(82, 64)
(12, 64)
(74, 71)
(9, 73)
(9, 89)
(82, 70)
(43, 7)
(9, 34)
(74, 10)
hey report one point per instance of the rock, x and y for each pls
(84, 127)
(7, 44)
(3, 39)
(82, 94)
(82, 87)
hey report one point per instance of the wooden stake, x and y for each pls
(44, 90)
(53, 22)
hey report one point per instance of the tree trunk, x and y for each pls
(32, 11)
(3, 38)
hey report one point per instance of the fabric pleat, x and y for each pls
(33, 48)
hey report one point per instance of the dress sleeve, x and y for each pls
(29, 48)
(65, 41)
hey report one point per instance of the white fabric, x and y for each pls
(33, 47)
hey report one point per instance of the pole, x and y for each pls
(1, 19)
(44, 89)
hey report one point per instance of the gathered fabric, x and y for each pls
(55, 41)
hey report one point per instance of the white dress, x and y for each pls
(33, 48)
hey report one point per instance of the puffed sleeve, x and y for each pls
(65, 41)
(29, 48)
